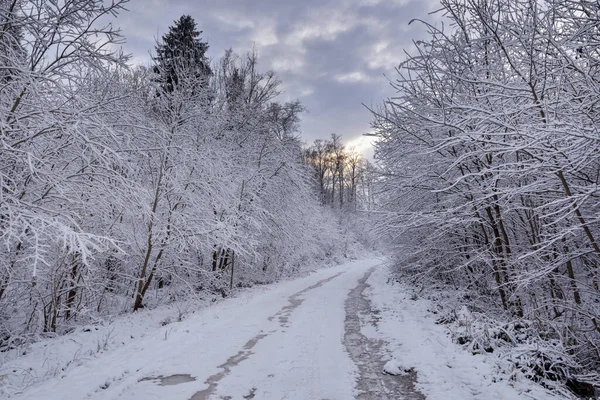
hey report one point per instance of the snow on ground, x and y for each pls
(287, 339)
(40, 361)
(444, 370)
(48, 358)
(325, 336)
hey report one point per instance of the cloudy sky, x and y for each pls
(332, 55)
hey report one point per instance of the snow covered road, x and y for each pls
(325, 336)
(285, 343)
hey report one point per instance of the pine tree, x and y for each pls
(182, 52)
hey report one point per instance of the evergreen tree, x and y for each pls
(182, 52)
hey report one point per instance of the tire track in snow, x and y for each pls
(372, 383)
(283, 315)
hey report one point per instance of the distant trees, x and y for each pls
(490, 161)
(120, 181)
(342, 175)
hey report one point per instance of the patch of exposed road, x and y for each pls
(294, 301)
(367, 353)
(213, 381)
(170, 380)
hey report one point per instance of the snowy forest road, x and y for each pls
(297, 340)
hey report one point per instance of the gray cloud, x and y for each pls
(332, 55)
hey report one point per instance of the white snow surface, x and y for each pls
(445, 371)
(394, 367)
(284, 341)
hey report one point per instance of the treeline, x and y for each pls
(490, 181)
(344, 178)
(117, 181)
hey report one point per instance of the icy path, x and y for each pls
(323, 337)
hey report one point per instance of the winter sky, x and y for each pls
(332, 55)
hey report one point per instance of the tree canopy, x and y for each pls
(181, 51)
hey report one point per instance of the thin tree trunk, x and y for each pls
(139, 295)
(584, 225)
(73, 288)
(232, 269)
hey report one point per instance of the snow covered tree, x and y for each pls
(118, 181)
(337, 171)
(54, 142)
(175, 119)
(488, 156)
(181, 49)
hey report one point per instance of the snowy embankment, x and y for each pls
(445, 370)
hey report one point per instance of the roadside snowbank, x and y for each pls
(445, 371)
